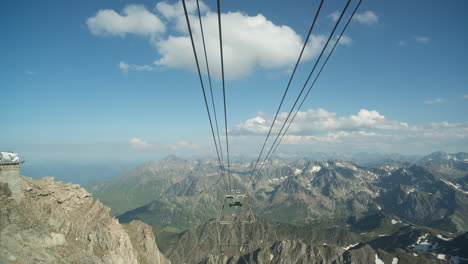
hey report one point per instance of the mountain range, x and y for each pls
(336, 200)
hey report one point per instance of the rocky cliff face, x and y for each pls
(142, 238)
(57, 222)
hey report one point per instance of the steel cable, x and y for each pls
(303, 88)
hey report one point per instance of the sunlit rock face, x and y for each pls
(57, 222)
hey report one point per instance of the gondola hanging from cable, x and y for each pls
(236, 209)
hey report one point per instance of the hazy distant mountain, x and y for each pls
(142, 184)
(361, 158)
(454, 166)
(441, 156)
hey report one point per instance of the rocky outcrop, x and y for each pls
(57, 222)
(288, 251)
(142, 238)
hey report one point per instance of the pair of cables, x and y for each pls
(281, 133)
(216, 137)
(256, 171)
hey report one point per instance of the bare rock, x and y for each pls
(142, 238)
(58, 222)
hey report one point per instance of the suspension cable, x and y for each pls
(211, 86)
(201, 82)
(287, 88)
(224, 92)
(316, 78)
(304, 86)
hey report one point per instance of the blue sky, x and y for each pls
(112, 79)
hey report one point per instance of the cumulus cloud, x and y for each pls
(175, 12)
(135, 19)
(330, 137)
(367, 130)
(137, 143)
(432, 133)
(445, 129)
(320, 120)
(125, 67)
(435, 101)
(261, 43)
(422, 39)
(250, 42)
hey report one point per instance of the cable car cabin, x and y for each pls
(239, 210)
(235, 199)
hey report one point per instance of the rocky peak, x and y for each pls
(57, 222)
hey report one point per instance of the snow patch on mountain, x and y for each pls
(297, 171)
(445, 238)
(456, 186)
(423, 243)
(349, 166)
(350, 246)
(315, 169)
(377, 260)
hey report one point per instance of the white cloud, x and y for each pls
(444, 129)
(175, 12)
(28, 72)
(330, 137)
(320, 120)
(136, 19)
(139, 144)
(435, 101)
(126, 67)
(422, 39)
(465, 96)
(367, 130)
(366, 18)
(249, 43)
(401, 43)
